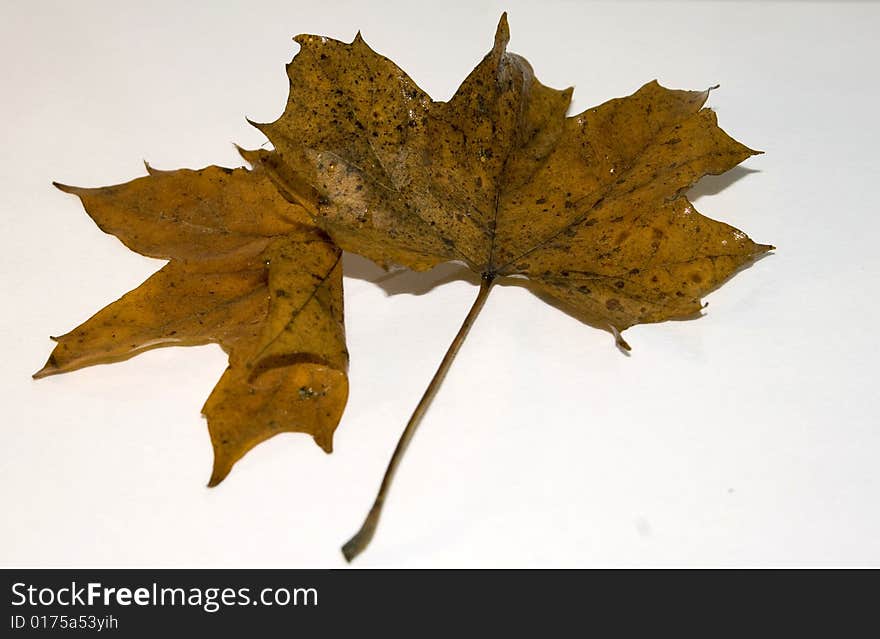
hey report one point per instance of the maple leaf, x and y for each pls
(589, 208)
(247, 270)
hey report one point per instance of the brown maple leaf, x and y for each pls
(247, 270)
(589, 208)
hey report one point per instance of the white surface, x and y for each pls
(747, 437)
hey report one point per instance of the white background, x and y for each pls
(747, 437)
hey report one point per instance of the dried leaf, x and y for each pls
(589, 209)
(247, 270)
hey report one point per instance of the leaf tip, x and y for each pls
(218, 474)
(621, 343)
(65, 187)
(247, 155)
(324, 440)
(260, 126)
(151, 170)
(50, 368)
(502, 33)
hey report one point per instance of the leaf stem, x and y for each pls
(357, 544)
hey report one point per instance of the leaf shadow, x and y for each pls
(403, 281)
(714, 184)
